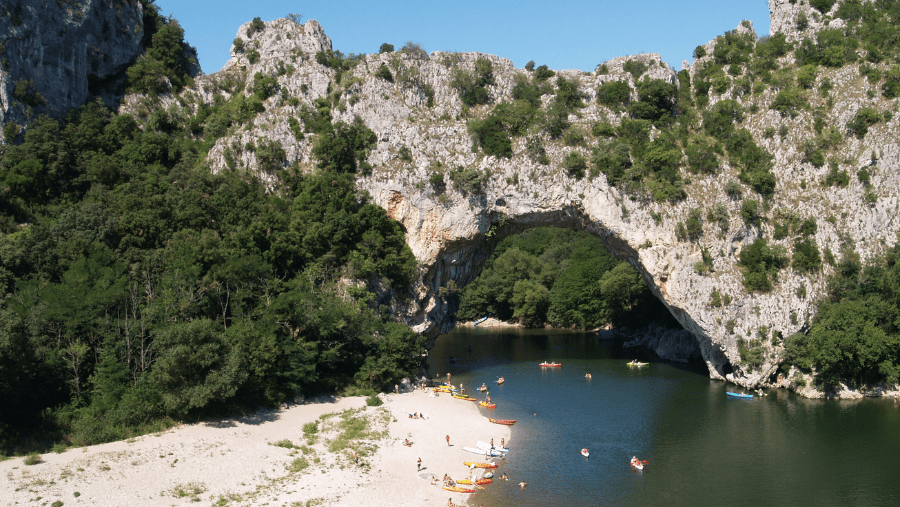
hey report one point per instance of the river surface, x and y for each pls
(702, 447)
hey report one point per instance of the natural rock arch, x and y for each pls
(452, 241)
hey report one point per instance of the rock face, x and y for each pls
(54, 54)
(453, 231)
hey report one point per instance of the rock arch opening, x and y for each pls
(457, 263)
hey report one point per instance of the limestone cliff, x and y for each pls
(421, 128)
(52, 54)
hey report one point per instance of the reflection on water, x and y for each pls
(702, 447)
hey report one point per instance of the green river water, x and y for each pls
(703, 448)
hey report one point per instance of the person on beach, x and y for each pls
(448, 377)
(356, 458)
(396, 389)
(492, 443)
(503, 442)
(419, 465)
(448, 440)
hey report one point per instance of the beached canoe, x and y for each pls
(487, 405)
(479, 482)
(545, 364)
(508, 422)
(739, 395)
(465, 397)
(485, 445)
(483, 452)
(457, 489)
(480, 465)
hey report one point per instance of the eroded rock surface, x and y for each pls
(65, 50)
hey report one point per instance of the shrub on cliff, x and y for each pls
(472, 85)
(762, 264)
(614, 94)
(164, 65)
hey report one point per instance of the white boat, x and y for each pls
(636, 363)
(483, 452)
(585, 453)
(487, 446)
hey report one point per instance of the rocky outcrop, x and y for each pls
(55, 55)
(452, 230)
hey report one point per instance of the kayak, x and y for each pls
(500, 380)
(485, 445)
(482, 388)
(550, 365)
(487, 405)
(739, 395)
(480, 465)
(479, 482)
(487, 475)
(464, 397)
(508, 422)
(456, 489)
(483, 452)
(636, 363)
(585, 453)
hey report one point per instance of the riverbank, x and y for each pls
(491, 323)
(299, 454)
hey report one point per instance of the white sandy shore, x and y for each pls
(233, 462)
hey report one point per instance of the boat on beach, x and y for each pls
(508, 422)
(483, 452)
(479, 482)
(478, 464)
(457, 489)
(465, 397)
(485, 445)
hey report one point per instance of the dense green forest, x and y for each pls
(137, 288)
(563, 277)
(855, 336)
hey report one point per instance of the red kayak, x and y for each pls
(508, 422)
(550, 365)
(487, 405)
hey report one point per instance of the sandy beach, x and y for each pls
(237, 462)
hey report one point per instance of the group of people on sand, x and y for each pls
(417, 415)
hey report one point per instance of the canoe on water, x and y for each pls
(500, 380)
(545, 364)
(508, 422)
(739, 395)
(585, 453)
(457, 489)
(480, 465)
(636, 363)
(487, 405)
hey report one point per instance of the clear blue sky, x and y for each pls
(566, 34)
